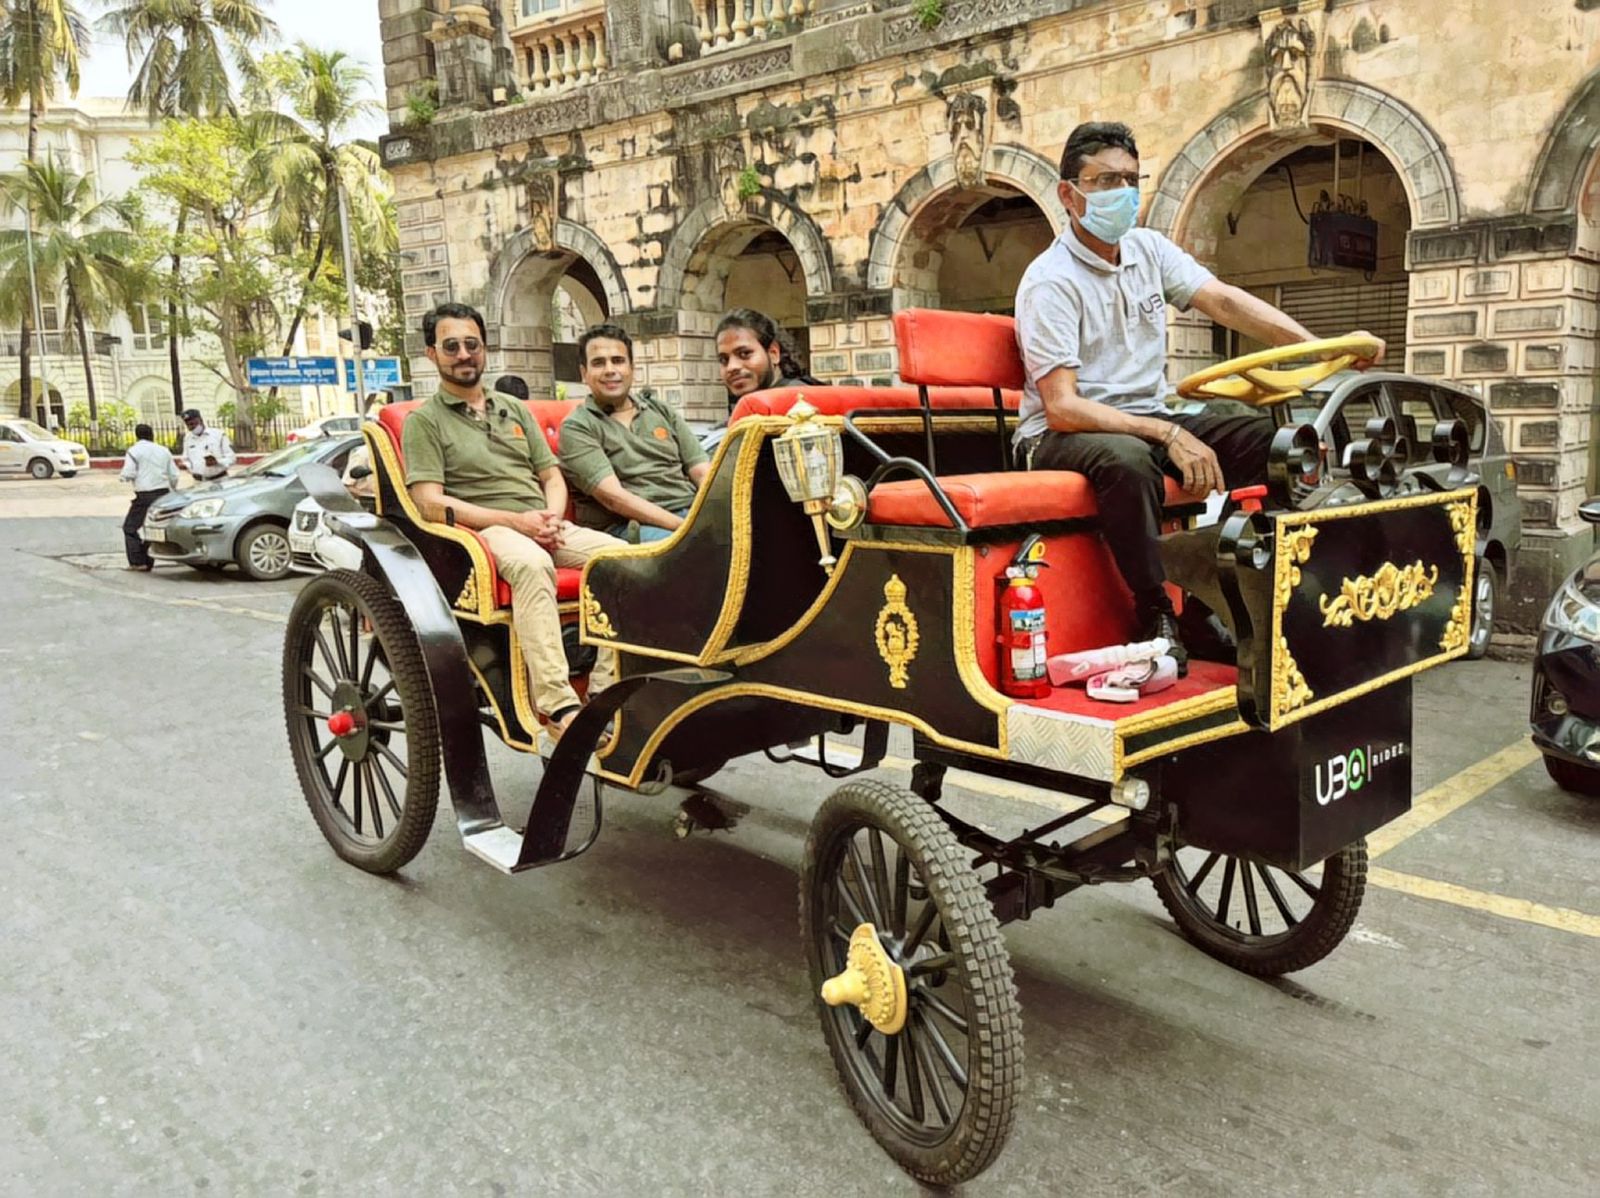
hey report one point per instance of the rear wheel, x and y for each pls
(41, 468)
(1569, 775)
(264, 552)
(939, 1091)
(1261, 919)
(1485, 599)
(351, 652)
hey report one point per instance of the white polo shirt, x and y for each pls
(1108, 322)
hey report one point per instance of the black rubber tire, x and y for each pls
(1484, 575)
(243, 553)
(982, 971)
(1317, 933)
(401, 656)
(41, 468)
(69, 474)
(1570, 776)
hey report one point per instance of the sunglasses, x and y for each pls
(455, 345)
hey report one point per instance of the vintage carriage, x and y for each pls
(1243, 792)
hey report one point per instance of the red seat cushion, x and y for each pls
(836, 401)
(567, 584)
(958, 349)
(991, 500)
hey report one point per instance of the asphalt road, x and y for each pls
(196, 995)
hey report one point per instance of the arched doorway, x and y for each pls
(549, 299)
(1272, 213)
(49, 414)
(966, 250)
(765, 275)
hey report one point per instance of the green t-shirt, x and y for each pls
(650, 458)
(494, 462)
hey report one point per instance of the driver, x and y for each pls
(1092, 323)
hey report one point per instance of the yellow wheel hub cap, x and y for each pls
(871, 982)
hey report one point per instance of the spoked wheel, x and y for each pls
(361, 720)
(1261, 919)
(899, 933)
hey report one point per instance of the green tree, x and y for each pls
(307, 101)
(41, 43)
(83, 246)
(178, 50)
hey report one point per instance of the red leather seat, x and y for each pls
(991, 500)
(549, 413)
(836, 401)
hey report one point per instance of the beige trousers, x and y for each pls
(530, 569)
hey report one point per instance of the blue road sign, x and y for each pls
(292, 372)
(381, 373)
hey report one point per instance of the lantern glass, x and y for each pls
(809, 458)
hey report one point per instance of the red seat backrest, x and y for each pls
(958, 349)
(548, 412)
(836, 401)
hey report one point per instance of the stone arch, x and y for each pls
(709, 222)
(574, 239)
(151, 396)
(1565, 160)
(1014, 166)
(1342, 105)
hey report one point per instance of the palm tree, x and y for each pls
(307, 101)
(179, 51)
(83, 246)
(41, 42)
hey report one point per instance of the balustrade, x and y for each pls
(553, 55)
(724, 24)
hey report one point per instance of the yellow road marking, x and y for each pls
(1562, 919)
(1452, 794)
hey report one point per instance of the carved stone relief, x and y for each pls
(1291, 41)
(966, 113)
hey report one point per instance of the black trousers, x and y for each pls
(1126, 474)
(138, 553)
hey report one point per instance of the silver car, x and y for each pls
(243, 519)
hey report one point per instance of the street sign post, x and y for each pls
(382, 374)
(292, 372)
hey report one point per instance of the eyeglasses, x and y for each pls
(1110, 180)
(455, 345)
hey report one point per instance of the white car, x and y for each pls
(325, 426)
(313, 547)
(26, 446)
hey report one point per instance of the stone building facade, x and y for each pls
(658, 161)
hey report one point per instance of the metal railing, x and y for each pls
(113, 437)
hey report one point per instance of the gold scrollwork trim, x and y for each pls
(595, 620)
(1294, 551)
(1389, 591)
(467, 600)
(1464, 523)
(1289, 689)
(895, 632)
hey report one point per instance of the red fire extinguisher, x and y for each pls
(1021, 620)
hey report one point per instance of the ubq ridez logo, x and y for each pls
(1346, 773)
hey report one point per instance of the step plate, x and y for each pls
(499, 846)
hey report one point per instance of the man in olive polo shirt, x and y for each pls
(633, 461)
(483, 457)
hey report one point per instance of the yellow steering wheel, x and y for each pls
(1254, 380)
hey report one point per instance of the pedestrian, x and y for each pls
(206, 451)
(152, 471)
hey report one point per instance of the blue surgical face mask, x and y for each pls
(1110, 214)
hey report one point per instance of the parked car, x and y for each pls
(26, 446)
(313, 546)
(324, 426)
(1566, 678)
(1340, 407)
(242, 519)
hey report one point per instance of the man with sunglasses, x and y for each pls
(1092, 324)
(482, 457)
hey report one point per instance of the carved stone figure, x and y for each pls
(727, 161)
(542, 212)
(966, 113)
(1290, 46)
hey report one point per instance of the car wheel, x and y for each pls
(264, 553)
(41, 468)
(1570, 776)
(1485, 600)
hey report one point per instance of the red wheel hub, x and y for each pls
(341, 723)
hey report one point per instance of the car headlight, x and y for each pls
(1573, 612)
(204, 509)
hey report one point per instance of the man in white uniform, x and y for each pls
(151, 470)
(207, 453)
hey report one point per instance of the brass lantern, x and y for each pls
(810, 460)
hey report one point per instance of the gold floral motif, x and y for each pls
(1289, 689)
(1378, 596)
(895, 633)
(468, 599)
(594, 617)
(1464, 523)
(1294, 550)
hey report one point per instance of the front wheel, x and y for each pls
(41, 468)
(264, 553)
(1258, 918)
(933, 1064)
(1570, 776)
(362, 725)
(1485, 599)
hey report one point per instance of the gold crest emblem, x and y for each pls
(896, 632)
